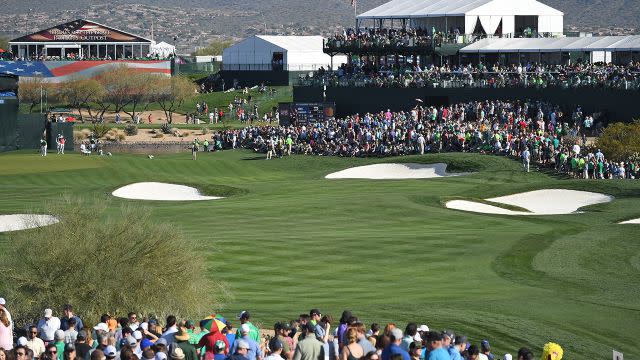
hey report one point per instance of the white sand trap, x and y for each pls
(632, 221)
(393, 172)
(160, 191)
(539, 202)
(15, 222)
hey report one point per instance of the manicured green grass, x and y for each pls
(287, 240)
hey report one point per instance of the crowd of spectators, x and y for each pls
(310, 336)
(552, 138)
(537, 75)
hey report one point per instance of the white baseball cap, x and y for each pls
(137, 335)
(423, 328)
(22, 341)
(244, 328)
(48, 313)
(3, 301)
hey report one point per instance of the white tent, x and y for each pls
(566, 44)
(508, 16)
(267, 52)
(161, 49)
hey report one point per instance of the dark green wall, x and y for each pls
(619, 105)
(8, 123)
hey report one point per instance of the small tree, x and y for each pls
(620, 141)
(104, 261)
(214, 48)
(31, 90)
(80, 93)
(171, 93)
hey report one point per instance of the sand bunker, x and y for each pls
(393, 172)
(16, 222)
(539, 202)
(161, 191)
(632, 221)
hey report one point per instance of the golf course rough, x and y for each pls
(389, 251)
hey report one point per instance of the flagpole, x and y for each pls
(355, 13)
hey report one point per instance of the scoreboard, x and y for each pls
(305, 113)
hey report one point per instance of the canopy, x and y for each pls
(566, 44)
(407, 9)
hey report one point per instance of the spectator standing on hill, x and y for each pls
(82, 348)
(219, 348)
(352, 350)
(435, 351)
(43, 147)
(48, 325)
(182, 342)
(395, 338)
(35, 343)
(242, 349)
(459, 345)
(309, 348)
(68, 315)
(245, 318)
(209, 340)
(254, 352)
(526, 159)
(6, 333)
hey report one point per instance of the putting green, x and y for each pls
(288, 240)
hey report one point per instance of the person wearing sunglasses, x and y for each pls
(52, 352)
(34, 342)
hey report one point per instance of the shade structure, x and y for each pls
(566, 44)
(490, 14)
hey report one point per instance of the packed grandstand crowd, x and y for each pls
(406, 37)
(536, 75)
(8, 56)
(553, 138)
(310, 336)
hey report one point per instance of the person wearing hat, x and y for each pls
(485, 349)
(276, 346)
(219, 348)
(394, 346)
(309, 348)
(245, 318)
(242, 349)
(415, 350)
(209, 340)
(48, 325)
(194, 337)
(58, 339)
(182, 342)
(254, 352)
(447, 338)
(82, 348)
(177, 354)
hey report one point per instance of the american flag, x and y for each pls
(58, 71)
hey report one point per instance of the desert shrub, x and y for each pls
(186, 133)
(158, 135)
(121, 136)
(131, 129)
(205, 130)
(100, 130)
(85, 132)
(102, 260)
(166, 128)
(620, 141)
(79, 136)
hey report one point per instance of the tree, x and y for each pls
(80, 93)
(214, 48)
(123, 87)
(171, 92)
(620, 141)
(32, 90)
(105, 261)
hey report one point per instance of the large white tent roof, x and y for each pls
(407, 9)
(565, 44)
(295, 43)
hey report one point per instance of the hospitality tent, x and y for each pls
(162, 49)
(267, 53)
(599, 48)
(493, 17)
